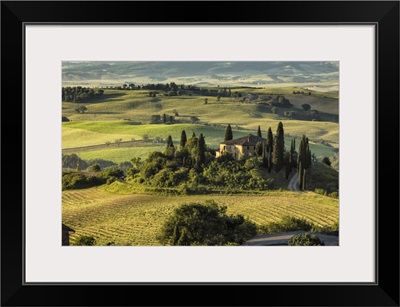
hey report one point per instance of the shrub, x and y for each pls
(205, 224)
(305, 239)
(73, 161)
(79, 181)
(85, 241)
(327, 161)
(287, 223)
(320, 191)
(112, 172)
(95, 168)
(334, 194)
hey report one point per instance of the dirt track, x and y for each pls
(293, 186)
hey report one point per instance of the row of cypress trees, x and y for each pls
(273, 152)
(275, 155)
(198, 148)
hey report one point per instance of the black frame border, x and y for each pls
(14, 17)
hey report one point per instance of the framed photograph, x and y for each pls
(238, 149)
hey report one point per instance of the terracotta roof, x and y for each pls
(66, 228)
(249, 140)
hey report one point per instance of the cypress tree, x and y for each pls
(170, 150)
(270, 139)
(293, 161)
(270, 160)
(164, 118)
(228, 133)
(193, 135)
(279, 148)
(308, 156)
(304, 179)
(287, 165)
(259, 148)
(259, 132)
(183, 139)
(264, 156)
(169, 142)
(301, 176)
(201, 152)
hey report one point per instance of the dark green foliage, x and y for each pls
(170, 149)
(72, 181)
(95, 168)
(226, 173)
(169, 178)
(85, 241)
(306, 107)
(183, 139)
(155, 162)
(164, 118)
(65, 119)
(305, 239)
(259, 132)
(304, 181)
(80, 109)
(278, 148)
(270, 160)
(102, 163)
(73, 161)
(201, 158)
(155, 119)
(270, 139)
(205, 224)
(286, 224)
(288, 166)
(111, 174)
(301, 175)
(293, 154)
(303, 161)
(259, 149)
(228, 133)
(280, 101)
(322, 176)
(264, 157)
(327, 161)
(80, 94)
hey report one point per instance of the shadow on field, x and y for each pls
(107, 97)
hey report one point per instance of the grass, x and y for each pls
(136, 219)
(119, 155)
(87, 133)
(323, 177)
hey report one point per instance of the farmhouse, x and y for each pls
(241, 147)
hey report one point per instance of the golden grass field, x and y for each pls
(136, 219)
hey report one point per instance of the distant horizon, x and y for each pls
(316, 75)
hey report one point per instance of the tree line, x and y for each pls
(80, 94)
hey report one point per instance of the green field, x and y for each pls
(136, 219)
(88, 133)
(125, 115)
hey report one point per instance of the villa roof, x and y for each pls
(249, 140)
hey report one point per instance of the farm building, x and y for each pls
(240, 147)
(65, 234)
